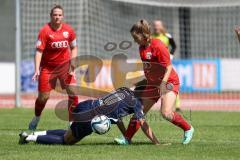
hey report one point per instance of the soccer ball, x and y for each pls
(100, 124)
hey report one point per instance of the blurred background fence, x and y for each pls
(207, 56)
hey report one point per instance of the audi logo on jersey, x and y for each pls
(60, 44)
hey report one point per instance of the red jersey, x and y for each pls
(155, 59)
(55, 44)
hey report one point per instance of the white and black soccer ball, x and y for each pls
(100, 124)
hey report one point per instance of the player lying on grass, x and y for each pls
(162, 82)
(115, 105)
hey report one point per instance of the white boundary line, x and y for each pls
(196, 4)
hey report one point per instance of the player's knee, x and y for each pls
(167, 115)
(67, 142)
(70, 91)
(43, 98)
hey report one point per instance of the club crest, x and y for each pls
(65, 34)
(148, 55)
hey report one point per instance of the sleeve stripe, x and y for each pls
(73, 43)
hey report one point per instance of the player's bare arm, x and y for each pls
(148, 132)
(121, 126)
(74, 51)
(38, 57)
(237, 30)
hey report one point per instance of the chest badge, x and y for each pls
(65, 34)
(51, 36)
(148, 55)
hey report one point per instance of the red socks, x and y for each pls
(133, 127)
(72, 99)
(39, 106)
(180, 122)
(72, 103)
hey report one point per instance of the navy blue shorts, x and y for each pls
(82, 127)
(85, 106)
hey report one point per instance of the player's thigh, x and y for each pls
(69, 138)
(79, 130)
(68, 82)
(167, 102)
(147, 104)
(47, 80)
(149, 97)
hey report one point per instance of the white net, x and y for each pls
(36, 13)
(202, 29)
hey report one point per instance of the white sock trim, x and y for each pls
(31, 138)
(40, 133)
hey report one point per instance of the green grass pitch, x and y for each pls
(217, 136)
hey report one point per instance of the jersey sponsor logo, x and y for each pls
(65, 34)
(60, 44)
(113, 98)
(148, 55)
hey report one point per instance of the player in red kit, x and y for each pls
(162, 82)
(55, 47)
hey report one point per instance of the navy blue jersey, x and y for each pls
(115, 105)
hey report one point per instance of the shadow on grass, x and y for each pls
(132, 144)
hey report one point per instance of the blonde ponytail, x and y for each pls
(141, 29)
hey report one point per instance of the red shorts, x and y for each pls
(49, 75)
(153, 92)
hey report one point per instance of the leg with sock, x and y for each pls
(39, 106)
(72, 103)
(178, 120)
(46, 137)
(167, 105)
(50, 139)
(57, 132)
(72, 98)
(133, 127)
(134, 124)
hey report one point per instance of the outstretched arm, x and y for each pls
(148, 132)
(121, 126)
(37, 60)
(237, 30)
(173, 46)
(74, 51)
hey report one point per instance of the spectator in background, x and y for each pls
(160, 32)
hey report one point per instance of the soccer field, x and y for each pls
(217, 136)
